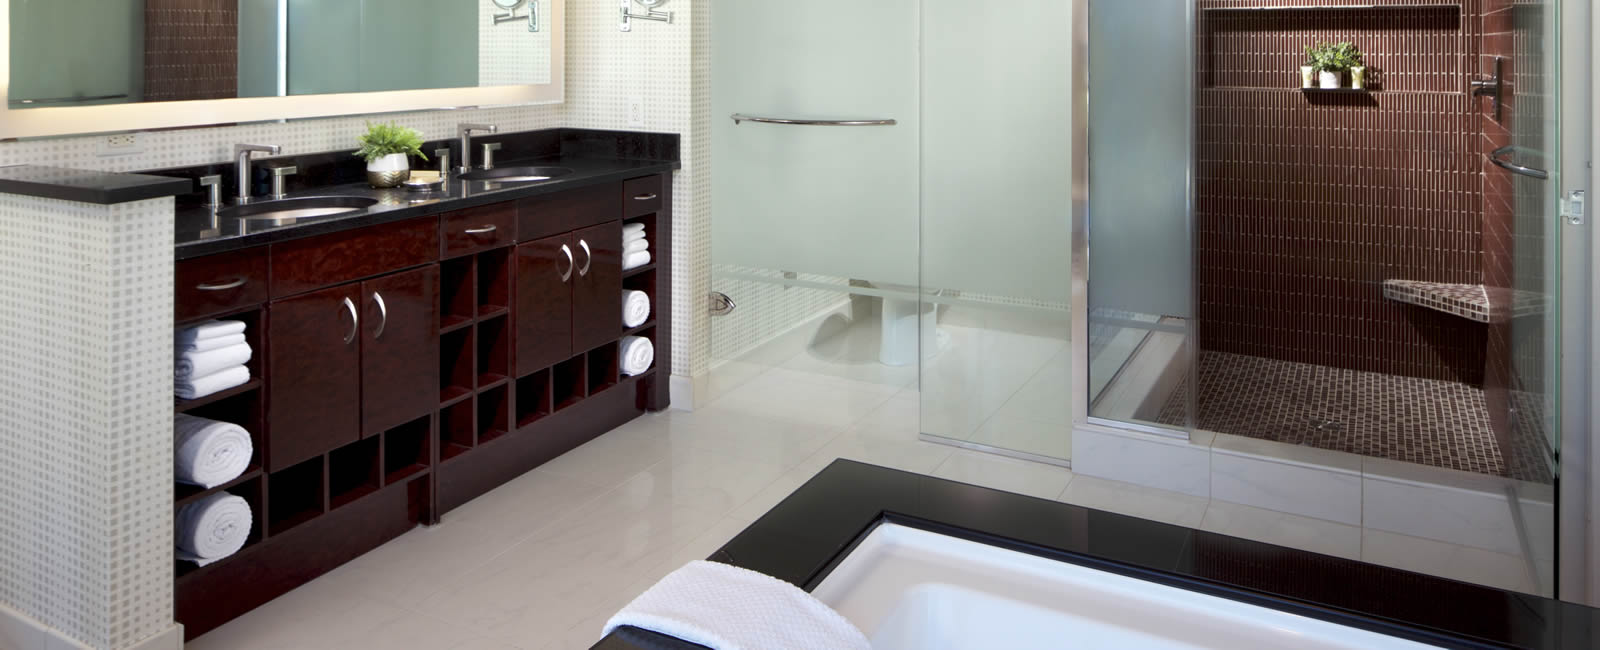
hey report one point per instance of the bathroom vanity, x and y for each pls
(419, 352)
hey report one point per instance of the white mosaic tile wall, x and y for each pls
(766, 308)
(509, 54)
(85, 392)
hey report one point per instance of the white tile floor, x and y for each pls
(542, 561)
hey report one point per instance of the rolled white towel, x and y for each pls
(635, 260)
(637, 353)
(212, 528)
(209, 453)
(632, 231)
(200, 364)
(207, 345)
(635, 308)
(210, 330)
(722, 606)
(197, 387)
(635, 246)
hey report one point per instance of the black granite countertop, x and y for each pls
(804, 537)
(85, 186)
(200, 232)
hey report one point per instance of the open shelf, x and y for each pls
(294, 496)
(457, 279)
(247, 487)
(494, 281)
(640, 330)
(1395, 7)
(639, 270)
(456, 356)
(533, 398)
(567, 382)
(185, 494)
(186, 405)
(602, 371)
(494, 351)
(405, 450)
(353, 471)
(494, 413)
(456, 430)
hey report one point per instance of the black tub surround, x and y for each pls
(810, 532)
(595, 158)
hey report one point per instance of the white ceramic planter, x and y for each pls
(389, 171)
(1358, 77)
(1308, 76)
(1329, 79)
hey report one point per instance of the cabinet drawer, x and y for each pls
(641, 196)
(316, 262)
(479, 229)
(218, 284)
(543, 216)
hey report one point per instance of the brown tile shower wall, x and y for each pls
(1497, 216)
(1307, 202)
(191, 49)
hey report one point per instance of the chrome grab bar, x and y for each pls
(741, 117)
(1495, 157)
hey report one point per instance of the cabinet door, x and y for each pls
(399, 348)
(546, 269)
(313, 374)
(597, 286)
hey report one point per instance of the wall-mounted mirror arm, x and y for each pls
(649, 14)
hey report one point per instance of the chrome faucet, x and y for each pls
(465, 132)
(241, 165)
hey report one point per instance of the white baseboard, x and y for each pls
(682, 391)
(18, 631)
(169, 639)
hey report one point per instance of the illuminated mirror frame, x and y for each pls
(72, 120)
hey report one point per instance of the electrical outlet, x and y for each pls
(121, 144)
(636, 110)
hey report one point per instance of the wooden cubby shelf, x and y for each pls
(186, 494)
(456, 359)
(641, 329)
(567, 382)
(353, 471)
(533, 398)
(494, 413)
(640, 270)
(456, 429)
(295, 496)
(186, 405)
(406, 452)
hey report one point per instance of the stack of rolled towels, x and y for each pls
(635, 308)
(211, 357)
(637, 353)
(635, 248)
(209, 453)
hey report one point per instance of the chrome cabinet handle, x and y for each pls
(567, 274)
(383, 315)
(741, 117)
(646, 197)
(1497, 157)
(588, 258)
(355, 320)
(223, 286)
(482, 230)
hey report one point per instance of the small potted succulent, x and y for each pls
(386, 148)
(1331, 61)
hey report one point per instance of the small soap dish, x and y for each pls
(424, 182)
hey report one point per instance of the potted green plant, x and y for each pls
(1332, 60)
(386, 148)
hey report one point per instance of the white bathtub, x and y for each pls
(908, 588)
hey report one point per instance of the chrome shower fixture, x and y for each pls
(650, 13)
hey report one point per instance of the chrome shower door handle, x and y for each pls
(383, 315)
(567, 274)
(355, 320)
(741, 117)
(1500, 158)
(588, 258)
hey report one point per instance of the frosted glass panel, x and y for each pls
(1140, 116)
(93, 51)
(835, 201)
(996, 179)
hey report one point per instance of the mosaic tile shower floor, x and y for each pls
(1424, 421)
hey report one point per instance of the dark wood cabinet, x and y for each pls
(546, 269)
(399, 332)
(314, 376)
(597, 286)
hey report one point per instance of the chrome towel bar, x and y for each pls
(741, 117)
(1497, 158)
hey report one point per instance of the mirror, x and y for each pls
(132, 51)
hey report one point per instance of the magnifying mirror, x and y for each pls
(651, 4)
(508, 4)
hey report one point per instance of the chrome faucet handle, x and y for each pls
(488, 154)
(464, 132)
(241, 164)
(213, 187)
(280, 174)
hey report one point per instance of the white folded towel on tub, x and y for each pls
(637, 353)
(200, 364)
(209, 453)
(197, 387)
(635, 308)
(213, 528)
(210, 330)
(207, 345)
(635, 260)
(636, 246)
(725, 607)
